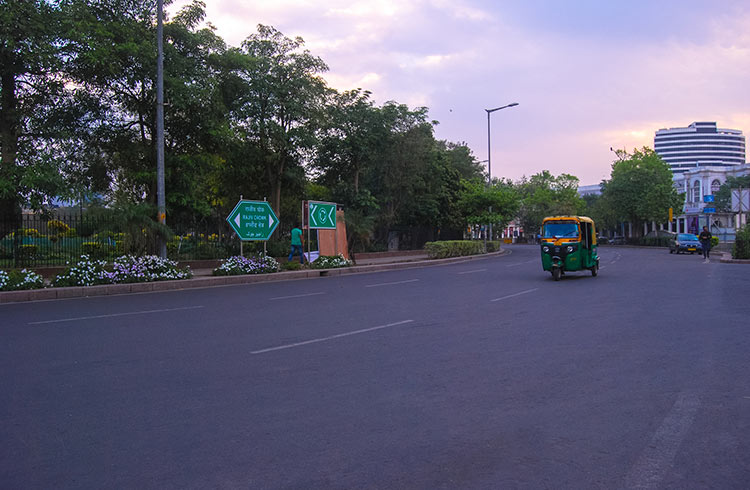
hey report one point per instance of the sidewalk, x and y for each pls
(203, 277)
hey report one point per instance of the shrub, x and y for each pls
(454, 248)
(714, 241)
(291, 266)
(27, 252)
(654, 241)
(330, 262)
(16, 280)
(741, 249)
(238, 265)
(30, 232)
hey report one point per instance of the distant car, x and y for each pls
(617, 240)
(602, 240)
(685, 242)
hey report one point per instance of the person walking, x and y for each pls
(296, 245)
(705, 239)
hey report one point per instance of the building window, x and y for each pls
(697, 191)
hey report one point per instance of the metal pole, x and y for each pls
(489, 173)
(241, 241)
(160, 195)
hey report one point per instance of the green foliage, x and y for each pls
(741, 249)
(454, 248)
(714, 241)
(640, 188)
(653, 241)
(476, 199)
(545, 195)
(723, 198)
(291, 266)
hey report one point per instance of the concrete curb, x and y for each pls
(214, 281)
(726, 258)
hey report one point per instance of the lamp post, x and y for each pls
(489, 152)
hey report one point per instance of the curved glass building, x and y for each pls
(701, 144)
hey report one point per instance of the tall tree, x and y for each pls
(282, 104)
(31, 88)
(640, 188)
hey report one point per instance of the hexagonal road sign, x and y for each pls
(253, 220)
(322, 215)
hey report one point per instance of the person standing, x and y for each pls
(296, 245)
(705, 238)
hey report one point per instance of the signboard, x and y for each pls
(253, 220)
(708, 198)
(741, 200)
(709, 210)
(322, 215)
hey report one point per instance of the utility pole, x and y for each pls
(160, 194)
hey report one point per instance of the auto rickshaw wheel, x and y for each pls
(595, 270)
(556, 272)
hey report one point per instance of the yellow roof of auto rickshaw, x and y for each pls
(564, 218)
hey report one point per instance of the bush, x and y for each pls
(330, 262)
(741, 249)
(454, 248)
(16, 280)
(238, 265)
(291, 266)
(27, 252)
(654, 241)
(714, 241)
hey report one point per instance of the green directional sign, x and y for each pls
(322, 215)
(253, 220)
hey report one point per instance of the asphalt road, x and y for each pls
(477, 375)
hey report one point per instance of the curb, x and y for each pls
(214, 281)
(726, 258)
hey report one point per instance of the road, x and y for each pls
(477, 375)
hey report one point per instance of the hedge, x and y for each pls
(458, 248)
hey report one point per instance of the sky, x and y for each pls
(588, 75)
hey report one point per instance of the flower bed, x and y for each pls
(126, 269)
(330, 262)
(238, 265)
(17, 280)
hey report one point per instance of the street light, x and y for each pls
(489, 152)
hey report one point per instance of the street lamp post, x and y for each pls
(489, 152)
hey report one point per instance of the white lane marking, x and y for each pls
(111, 315)
(390, 283)
(295, 296)
(521, 263)
(471, 272)
(656, 459)
(324, 339)
(516, 294)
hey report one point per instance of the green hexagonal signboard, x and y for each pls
(253, 220)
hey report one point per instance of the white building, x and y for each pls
(701, 144)
(697, 184)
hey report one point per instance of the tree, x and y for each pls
(281, 105)
(544, 195)
(723, 198)
(32, 92)
(477, 199)
(640, 188)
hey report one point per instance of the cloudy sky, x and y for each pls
(587, 74)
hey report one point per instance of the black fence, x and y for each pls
(37, 241)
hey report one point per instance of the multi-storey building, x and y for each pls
(701, 144)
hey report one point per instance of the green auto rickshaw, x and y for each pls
(568, 243)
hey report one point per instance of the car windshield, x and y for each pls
(559, 229)
(687, 237)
